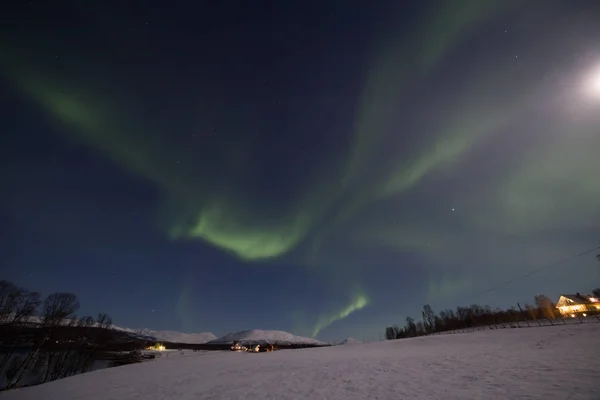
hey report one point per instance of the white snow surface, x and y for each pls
(350, 341)
(257, 335)
(556, 362)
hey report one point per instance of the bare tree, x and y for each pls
(104, 321)
(429, 319)
(411, 328)
(25, 306)
(16, 306)
(420, 328)
(546, 305)
(85, 322)
(390, 333)
(58, 307)
(9, 293)
(73, 321)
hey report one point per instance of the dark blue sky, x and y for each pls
(318, 167)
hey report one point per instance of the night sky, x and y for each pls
(321, 167)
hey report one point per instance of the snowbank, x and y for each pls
(556, 362)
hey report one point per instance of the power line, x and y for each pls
(537, 270)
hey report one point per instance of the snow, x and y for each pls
(257, 335)
(350, 341)
(170, 353)
(172, 336)
(555, 362)
(179, 337)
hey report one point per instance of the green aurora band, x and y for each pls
(359, 302)
(216, 213)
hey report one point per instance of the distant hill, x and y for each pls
(173, 336)
(257, 335)
(252, 335)
(350, 341)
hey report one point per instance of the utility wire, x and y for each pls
(538, 270)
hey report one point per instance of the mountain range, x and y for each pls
(253, 335)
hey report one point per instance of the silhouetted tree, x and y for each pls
(420, 328)
(596, 292)
(73, 321)
(104, 321)
(389, 333)
(16, 304)
(545, 305)
(532, 311)
(25, 306)
(8, 294)
(58, 307)
(85, 322)
(429, 319)
(411, 327)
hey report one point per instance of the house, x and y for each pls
(237, 346)
(261, 348)
(157, 347)
(256, 347)
(577, 305)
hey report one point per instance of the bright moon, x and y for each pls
(592, 83)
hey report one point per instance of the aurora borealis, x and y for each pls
(336, 165)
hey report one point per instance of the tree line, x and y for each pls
(473, 316)
(38, 336)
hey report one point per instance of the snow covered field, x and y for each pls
(560, 362)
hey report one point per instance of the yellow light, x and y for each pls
(573, 315)
(584, 314)
(593, 299)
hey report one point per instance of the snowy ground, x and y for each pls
(172, 353)
(560, 362)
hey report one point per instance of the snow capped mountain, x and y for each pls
(257, 335)
(179, 337)
(350, 341)
(172, 336)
